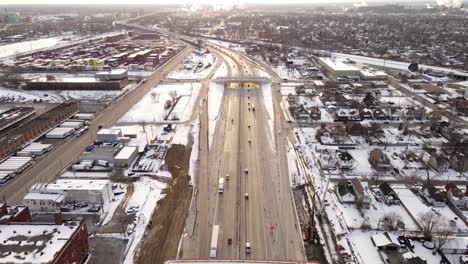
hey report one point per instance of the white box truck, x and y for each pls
(221, 185)
(214, 241)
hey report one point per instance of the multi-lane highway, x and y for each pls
(256, 205)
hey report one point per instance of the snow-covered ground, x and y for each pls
(365, 250)
(215, 96)
(416, 207)
(197, 66)
(268, 100)
(114, 204)
(146, 194)
(56, 96)
(194, 154)
(285, 73)
(388, 63)
(151, 107)
(27, 46)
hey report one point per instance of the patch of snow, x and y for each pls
(146, 194)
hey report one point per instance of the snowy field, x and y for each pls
(388, 63)
(146, 194)
(115, 203)
(285, 73)
(27, 46)
(151, 108)
(415, 207)
(197, 66)
(374, 215)
(365, 250)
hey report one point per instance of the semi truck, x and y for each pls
(221, 185)
(214, 241)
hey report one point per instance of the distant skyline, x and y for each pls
(215, 2)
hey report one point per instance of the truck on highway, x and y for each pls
(214, 241)
(221, 185)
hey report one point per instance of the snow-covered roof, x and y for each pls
(73, 184)
(126, 153)
(34, 243)
(384, 239)
(456, 243)
(108, 131)
(337, 65)
(55, 197)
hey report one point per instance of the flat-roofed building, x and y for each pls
(338, 68)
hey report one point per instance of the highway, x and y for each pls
(48, 167)
(267, 218)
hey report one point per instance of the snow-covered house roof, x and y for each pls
(384, 239)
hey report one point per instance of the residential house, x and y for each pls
(347, 115)
(366, 113)
(379, 160)
(385, 241)
(388, 194)
(433, 196)
(457, 196)
(361, 192)
(456, 245)
(411, 258)
(315, 113)
(461, 105)
(301, 114)
(345, 161)
(439, 162)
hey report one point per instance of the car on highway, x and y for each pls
(246, 171)
(246, 196)
(227, 177)
(248, 126)
(248, 248)
(250, 141)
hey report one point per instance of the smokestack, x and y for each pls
(58, 219)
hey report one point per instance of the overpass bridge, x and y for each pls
(241, 80)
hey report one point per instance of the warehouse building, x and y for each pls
(44, 202)
(35, 128)
(338, 68)
(109, 135)
(118, 74)
(79, 83)
(125, 157)
(96, 192)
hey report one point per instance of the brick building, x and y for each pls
(58, 242)
(10, 214)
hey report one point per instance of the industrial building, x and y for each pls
(96, 192)
(338, 68)
(109, 135)
(77, 83)
(44, 202)
(117, 74)
(35, 128)
(126, 156)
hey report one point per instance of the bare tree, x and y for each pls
(443, 233)
(428, 222)
(154, 96)
(391, 221)
(168, 104)
(173, 95)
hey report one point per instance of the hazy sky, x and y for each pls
(167, 1)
